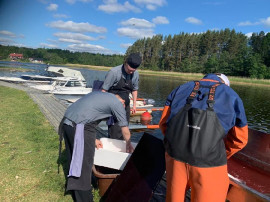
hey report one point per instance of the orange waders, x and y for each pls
(207, 184)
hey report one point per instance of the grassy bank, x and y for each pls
(29, 152)
(186, 76)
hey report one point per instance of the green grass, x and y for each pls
(29, 152)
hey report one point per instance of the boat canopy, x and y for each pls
(65, 72)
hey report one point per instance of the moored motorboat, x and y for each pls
(58, 81)
(53, 74)
(71, 87)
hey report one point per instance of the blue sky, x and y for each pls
(110, 26)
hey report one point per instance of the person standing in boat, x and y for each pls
(204, 124)
(78, 127)
(123, 80)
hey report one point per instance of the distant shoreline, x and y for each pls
(186, 76)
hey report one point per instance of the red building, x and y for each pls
(15, 56)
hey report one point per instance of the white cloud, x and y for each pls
(74, 1)
(112, 6)
(5, 40)
(265, 22)
(137, 23)
(135, 33)
(249, 34)
(52, 7)
(125, 45)
(20, 45)
(91, 49)
(77, 27)
(7, 33)
(160, 20)
(193, 20)
(48, 45)
(136, 28)
(151, 4)
(60, 16)
(101, 37)
(246, 23)
(52, 41)
(69, 40)
(74, 36)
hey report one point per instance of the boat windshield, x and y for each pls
(73, 84)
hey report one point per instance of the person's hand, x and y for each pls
(129, 147)
(99, 144)
(133, 110)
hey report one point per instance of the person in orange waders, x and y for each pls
(204, 124)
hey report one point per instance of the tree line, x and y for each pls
(224, 51)
(59, 56)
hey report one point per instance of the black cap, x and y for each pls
(134, 60)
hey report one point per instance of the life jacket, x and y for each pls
(195, 136)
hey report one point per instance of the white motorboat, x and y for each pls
(55, 73)
(28, 77)
(65, 82)
(58, 81)
(70, 87)
(64, 72)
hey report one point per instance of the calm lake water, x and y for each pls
(256, 99)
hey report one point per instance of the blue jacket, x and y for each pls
(228, 105)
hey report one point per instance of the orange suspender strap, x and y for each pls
(211, 97)
(193, 92)
(211, 80)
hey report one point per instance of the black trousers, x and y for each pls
(80, 187)
(114, 131)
